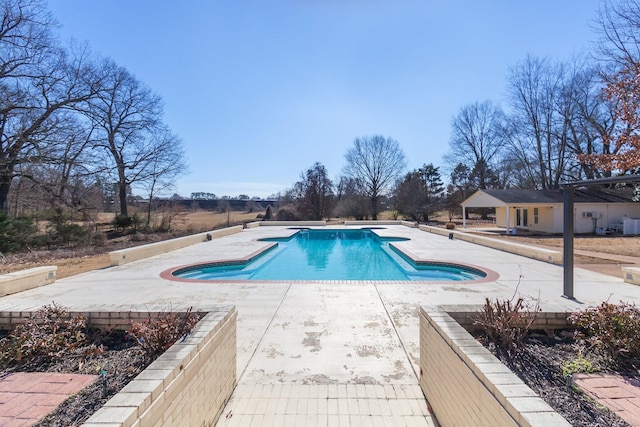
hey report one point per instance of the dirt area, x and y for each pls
(615, 245)
(204, 221)
(600, 254)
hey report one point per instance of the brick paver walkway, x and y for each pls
(621, 394)
(326, 405)
(27, 397)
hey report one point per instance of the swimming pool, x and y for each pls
(330, 255)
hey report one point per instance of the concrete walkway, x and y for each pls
(324, 353)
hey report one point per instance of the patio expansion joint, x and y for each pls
(393, 325)
(273, 316)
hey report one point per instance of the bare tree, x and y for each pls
(126, 115)
(618, 24)
(537, 126)
(477, 138)
(350, 199)
(376, 163)
(38, 80)
(64, 171)
(166, 164)
(590, 121)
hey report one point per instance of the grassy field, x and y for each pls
(194, 222)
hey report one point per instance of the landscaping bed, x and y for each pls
(52, 341)
(543, 364)
(600, 339)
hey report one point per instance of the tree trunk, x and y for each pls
(122, 195)
(5, 185)
(149, 211)
(374, 207)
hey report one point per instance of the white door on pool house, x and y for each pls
(522, 217)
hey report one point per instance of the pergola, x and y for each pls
(568, 190)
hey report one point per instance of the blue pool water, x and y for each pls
(330, 255)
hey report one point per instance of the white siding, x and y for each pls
(551, 219)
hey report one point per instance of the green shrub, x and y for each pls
(62, 234)
(17, 233)
(613, 329)
(579, 365)
(70, 234)
(122, 221)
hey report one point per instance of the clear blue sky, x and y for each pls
(260, 90)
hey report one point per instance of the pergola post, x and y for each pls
(567, 253)
(568, 194)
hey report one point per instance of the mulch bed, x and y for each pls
(119, 357)
(540, 365)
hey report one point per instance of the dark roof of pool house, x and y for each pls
(492, 198)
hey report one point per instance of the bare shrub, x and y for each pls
(157, 333)
(44, 336)
(506, 323)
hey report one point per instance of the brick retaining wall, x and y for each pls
(466, 385)
(188, 385)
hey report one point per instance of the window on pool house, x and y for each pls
(535, 215)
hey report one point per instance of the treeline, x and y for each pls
(372, 180)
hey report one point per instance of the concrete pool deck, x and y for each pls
(323, 353)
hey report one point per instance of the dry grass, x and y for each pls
(203, 221)
(192, 221)
(618, 245)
